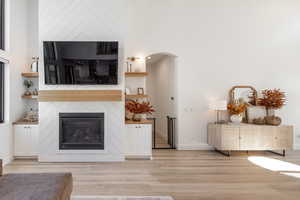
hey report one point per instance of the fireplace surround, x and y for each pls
(81, 131)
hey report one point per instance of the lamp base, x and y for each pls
(221, 122)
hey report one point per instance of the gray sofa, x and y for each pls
(45, 186)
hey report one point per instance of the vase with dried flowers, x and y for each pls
(272, 99)
(236, 109)
(139, 110)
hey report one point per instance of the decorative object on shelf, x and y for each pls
(236, 110)
(35, 92)
(257, 113)
(31, 116)
(127, 91)
(140, 91)
(236, 119)
(129, 67)
(128, 115)
(273, 120)
(272, 100)
(35, 64)
(219, 106)
(139, 110)
(28, 84)
(259, 121)
(243, 92)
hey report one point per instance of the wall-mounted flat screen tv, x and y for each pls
(81, 63)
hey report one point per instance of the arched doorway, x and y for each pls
(161, 86)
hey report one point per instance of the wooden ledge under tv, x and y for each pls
(79, 95)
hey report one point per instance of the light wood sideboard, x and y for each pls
(248, 137)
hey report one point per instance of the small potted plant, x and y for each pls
(28, 84)
(139, 110)
(272, 100)
(236, 109)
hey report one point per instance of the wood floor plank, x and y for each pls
(185, 175)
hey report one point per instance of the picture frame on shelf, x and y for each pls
(140, 91)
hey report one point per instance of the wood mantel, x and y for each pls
(79, 95)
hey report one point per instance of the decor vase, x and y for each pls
(236, 119)
(139, 117)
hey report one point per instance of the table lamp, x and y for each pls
(218, 106)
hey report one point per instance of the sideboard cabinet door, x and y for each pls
(230, 138)
(283, 138)
(256, 137)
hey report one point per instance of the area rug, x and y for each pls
(121, 198)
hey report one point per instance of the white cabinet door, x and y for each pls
(130, 139)
(26, 140)
(20, 140)
(146, 138)
(138, 140)
(34, 138)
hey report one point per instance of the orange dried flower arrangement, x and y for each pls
(272, 99)
(236, 108)
(139, 108)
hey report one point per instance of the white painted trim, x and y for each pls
(296, 147)
(199, 146)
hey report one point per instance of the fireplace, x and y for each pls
(81, 131)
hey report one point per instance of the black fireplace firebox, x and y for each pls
(81, 131)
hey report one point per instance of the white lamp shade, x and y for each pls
(218, 105)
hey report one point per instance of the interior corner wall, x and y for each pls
(20, 58)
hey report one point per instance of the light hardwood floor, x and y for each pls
(185, 175)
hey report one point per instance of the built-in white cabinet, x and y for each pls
(26, 140)
(138, 141)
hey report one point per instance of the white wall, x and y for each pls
(160, 87)
(18, 45)
(77, 20)
(218, 43)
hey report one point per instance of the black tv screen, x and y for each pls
(81, 63)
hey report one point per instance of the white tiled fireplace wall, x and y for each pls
(76, 20)
(49, 132)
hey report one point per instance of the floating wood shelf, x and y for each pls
(29, 97)
(80, 95)
(136, 74)
(30, 74)
(22, 122)
(138, 122)
(136, 96)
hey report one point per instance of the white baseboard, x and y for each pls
(296, 146)
(200, 146)
(7, 160)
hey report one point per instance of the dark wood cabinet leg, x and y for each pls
(223, 152)
(280, 154)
